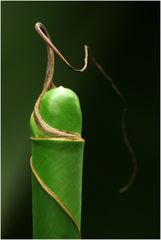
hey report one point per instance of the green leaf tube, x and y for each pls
(57, 158)
(57, 168)
(57, 152)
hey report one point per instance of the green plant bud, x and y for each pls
(60, 109)
(57, 164)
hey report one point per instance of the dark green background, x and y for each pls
(124, 37)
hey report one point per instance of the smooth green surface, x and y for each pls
(43, 207)
(59, 165)
(59, 108)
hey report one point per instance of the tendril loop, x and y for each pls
(51, 48)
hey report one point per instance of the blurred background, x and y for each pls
(124, 38)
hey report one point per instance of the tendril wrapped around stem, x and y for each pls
(51, 48)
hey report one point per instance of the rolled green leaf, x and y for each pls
(57, 155)
(57, 152)
(57, 166)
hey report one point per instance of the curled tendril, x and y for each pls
(50, 131)
(123, 125)
(42, 31)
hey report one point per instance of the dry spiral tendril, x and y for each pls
(42, 31)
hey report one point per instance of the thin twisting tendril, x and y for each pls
(51, 63)
(123, 124)
(42, 31)
(40, 27)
